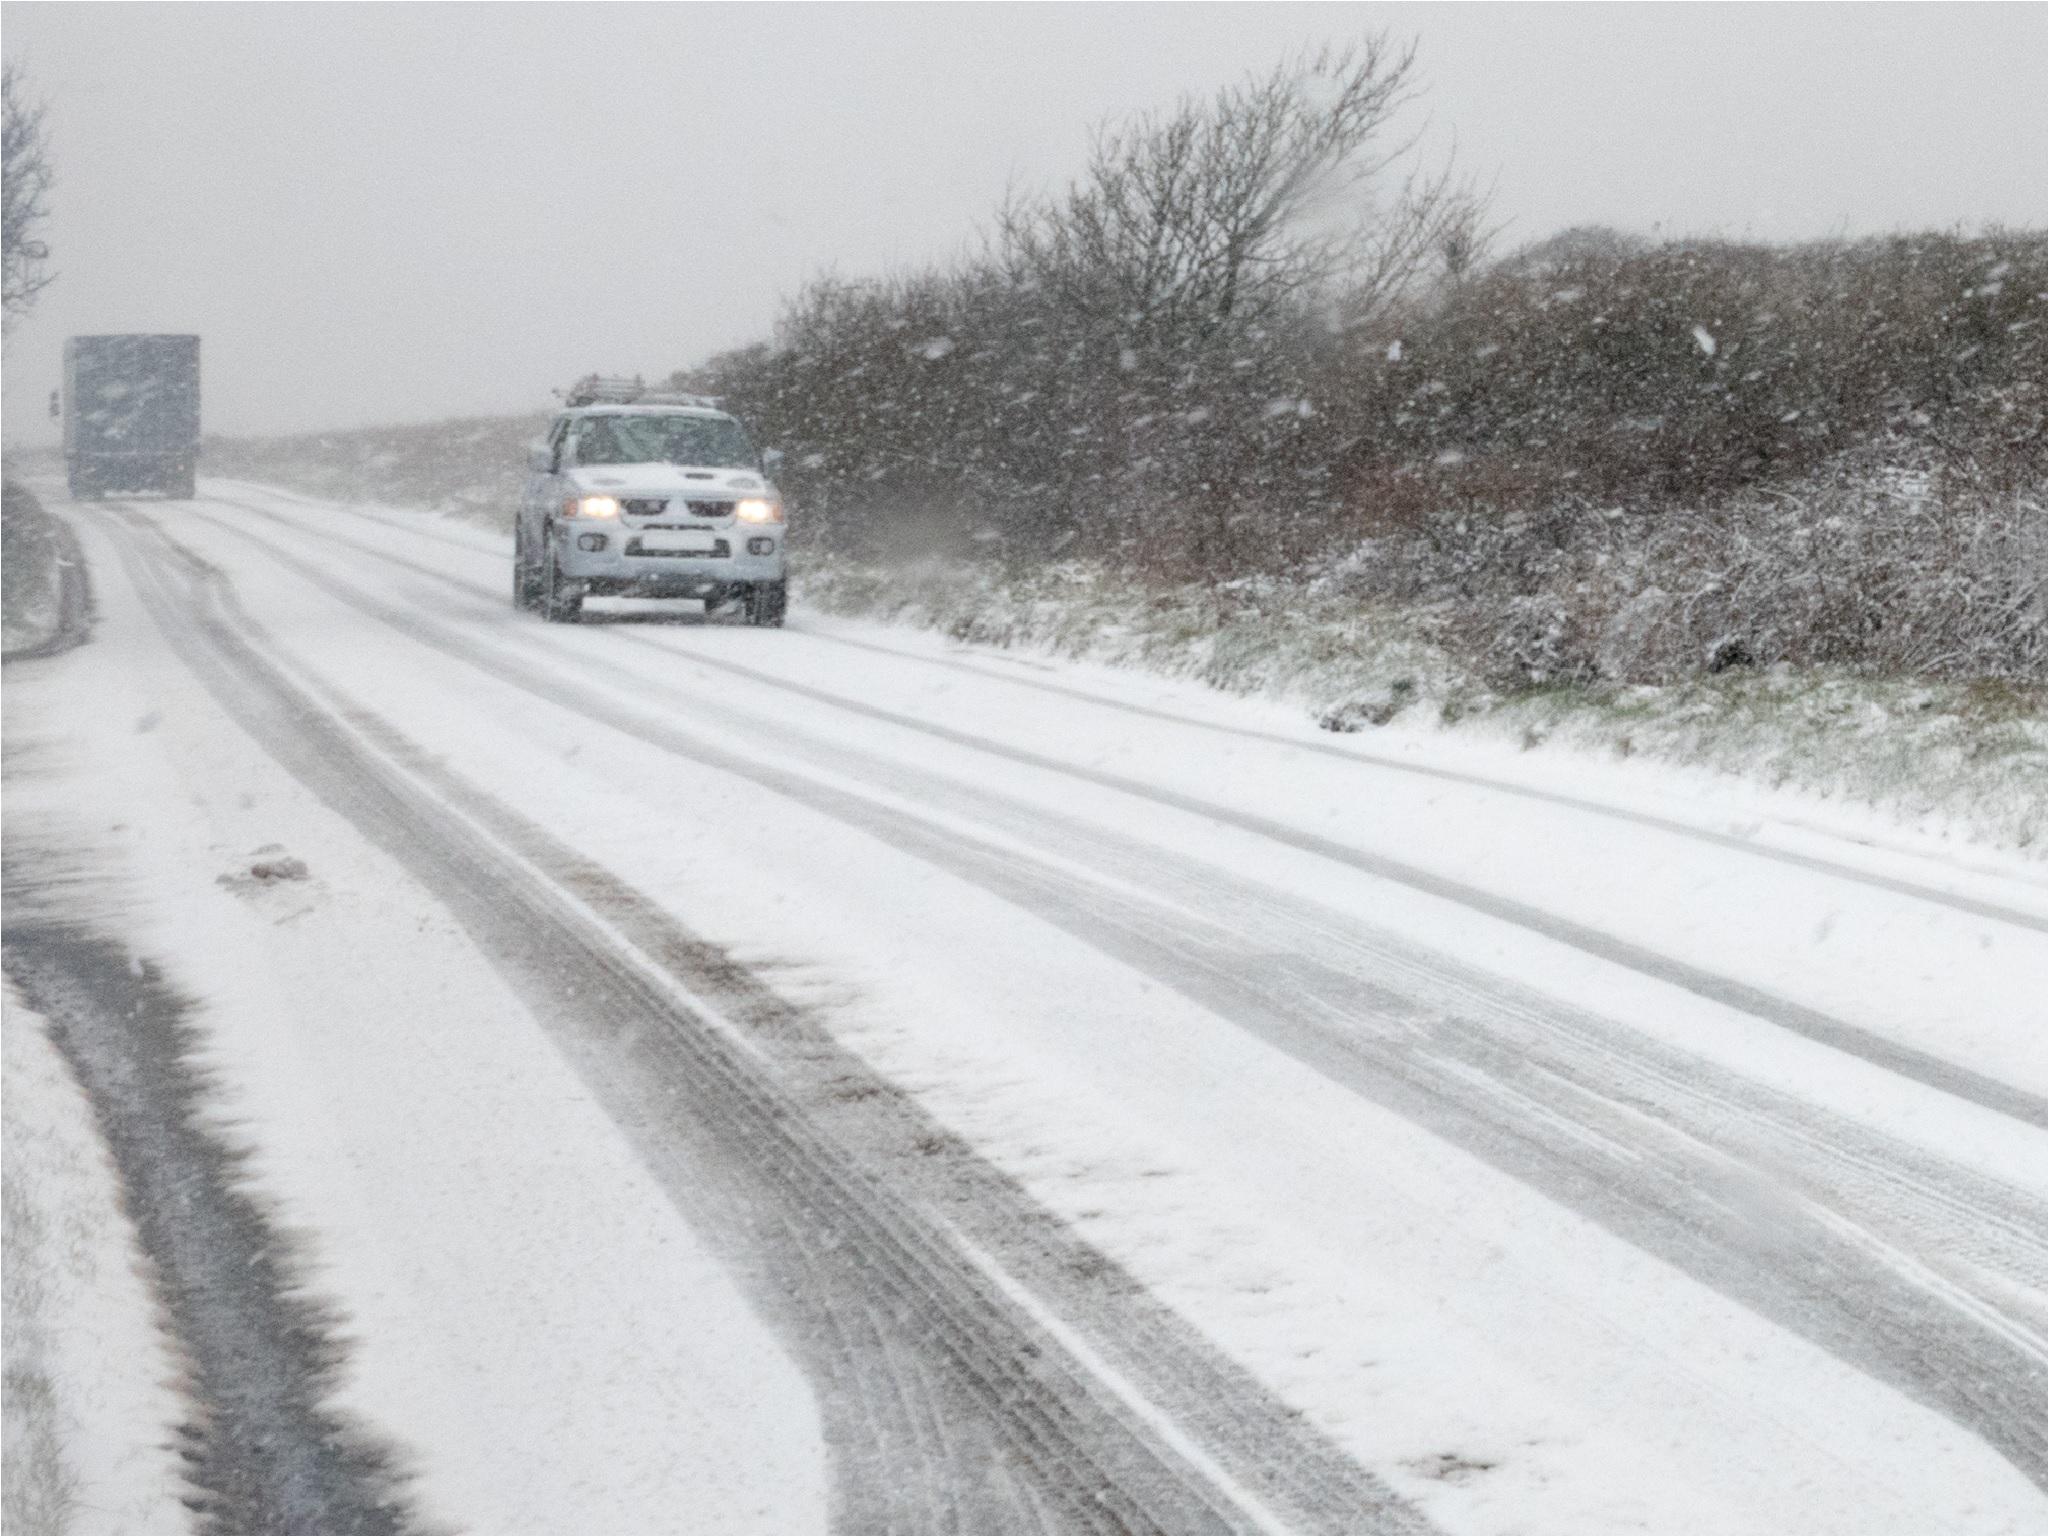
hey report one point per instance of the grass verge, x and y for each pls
(45, 601)
(1964, 760)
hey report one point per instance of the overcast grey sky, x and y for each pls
(403, 212)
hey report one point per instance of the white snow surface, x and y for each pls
(556, 1350)
(548, 1343)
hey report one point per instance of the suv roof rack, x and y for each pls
(595, 389)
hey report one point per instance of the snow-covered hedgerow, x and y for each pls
(1892, 564)
(1598, 460)
(1660, 380)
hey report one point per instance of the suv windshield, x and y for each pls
(706, 442)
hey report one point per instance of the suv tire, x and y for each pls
(558, 603)
(525, 579)
(766, 603)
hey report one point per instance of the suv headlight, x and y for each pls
(591, 506)
(756, 510)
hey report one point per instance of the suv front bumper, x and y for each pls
(617, 569)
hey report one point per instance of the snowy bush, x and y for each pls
(1604, 459)
(1931, 573)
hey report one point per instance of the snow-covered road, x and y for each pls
(724, 1079)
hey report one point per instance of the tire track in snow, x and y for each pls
(264, 1452)
(932, 1378)
(1914, 889)
(1682, 1160)
(1838, 1034)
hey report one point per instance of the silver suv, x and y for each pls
(635, 493)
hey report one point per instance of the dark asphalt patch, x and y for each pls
(263, 1454)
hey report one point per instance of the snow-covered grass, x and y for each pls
(88, 1406)
(40, 1488)
(1968, 759)
(30, 587)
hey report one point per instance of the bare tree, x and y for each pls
(1435, 228)
(1222, 213)
(27, 183)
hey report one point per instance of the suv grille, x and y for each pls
(719, 550)
(644, 506)
(709, 508)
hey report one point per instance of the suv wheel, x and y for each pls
(525, 580)
(560, 603)
(767, 602)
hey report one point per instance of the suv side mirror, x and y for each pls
(771, 462)
(540, 456)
